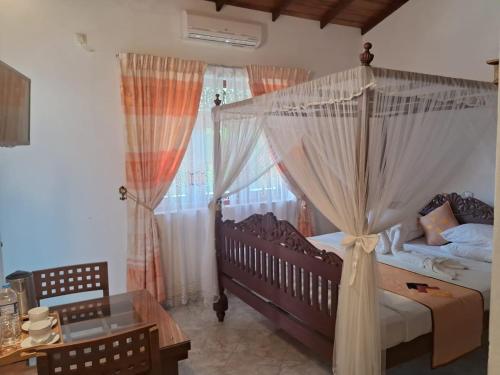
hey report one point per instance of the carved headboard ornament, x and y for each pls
(280, 232)
(466, 210)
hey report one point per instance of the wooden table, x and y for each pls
(109, 315)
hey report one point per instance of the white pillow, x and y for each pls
(482, 253)
(472, 234)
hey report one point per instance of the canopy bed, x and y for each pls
(264, 261)
(368, 147)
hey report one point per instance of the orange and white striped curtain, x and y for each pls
(264, 79)
(160, 97)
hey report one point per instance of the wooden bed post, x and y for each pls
(221, 305)
(363, 108)
(494, 63)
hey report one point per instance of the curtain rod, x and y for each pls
(226, 66)
(216, 65)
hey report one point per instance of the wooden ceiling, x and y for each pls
(364, 14)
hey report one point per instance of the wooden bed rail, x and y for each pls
(273, 262)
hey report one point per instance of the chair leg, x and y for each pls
(221, 306)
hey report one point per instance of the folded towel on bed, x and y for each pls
(441, 265)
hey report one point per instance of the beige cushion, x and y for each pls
(437, 221)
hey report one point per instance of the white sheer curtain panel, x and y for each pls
(367, 147)
(183, 216)
(232, 172)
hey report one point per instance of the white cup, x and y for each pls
(38, 314)
(40, 331)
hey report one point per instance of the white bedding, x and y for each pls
(403, 319)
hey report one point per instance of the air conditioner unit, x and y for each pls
(200, 27)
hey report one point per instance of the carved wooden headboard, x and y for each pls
(466, 210)
(279, 232)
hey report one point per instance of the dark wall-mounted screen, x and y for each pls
(14, 107)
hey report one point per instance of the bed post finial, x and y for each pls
(217, 101)
(366, 57)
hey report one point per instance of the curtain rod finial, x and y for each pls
(366, 57)
(123, 192)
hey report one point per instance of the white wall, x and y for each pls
(58, 197)
(452, 38)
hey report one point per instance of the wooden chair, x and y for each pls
(59, 281)
(132, 352)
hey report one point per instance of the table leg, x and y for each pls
(170, 358)
(169, 366)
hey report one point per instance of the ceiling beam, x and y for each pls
(375, 20)
(333, 12)
(219, 4)
(276, 12)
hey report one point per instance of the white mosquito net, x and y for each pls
(368, 147)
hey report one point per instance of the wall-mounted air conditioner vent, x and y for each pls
(221, 31)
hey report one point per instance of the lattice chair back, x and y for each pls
(132, 352)
(83, 310)
(59, 281)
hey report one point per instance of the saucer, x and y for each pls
(28, 343)
(26, 325)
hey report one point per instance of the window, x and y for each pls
(193, 185)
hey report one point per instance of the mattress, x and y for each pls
(403, 319)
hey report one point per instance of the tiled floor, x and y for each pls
(247, 343)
